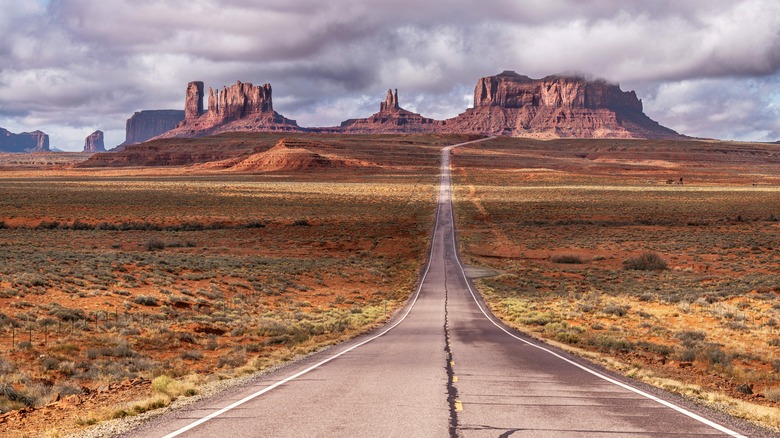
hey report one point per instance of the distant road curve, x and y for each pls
(444, 367)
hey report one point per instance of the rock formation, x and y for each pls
(94, 142)
(291, 154)
(240, 107)
(193, 100)
(391, 102)
(35, 141)
(391, 118)
(146, 124)
(505, 104)
(556, 106)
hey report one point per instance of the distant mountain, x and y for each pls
(35, 141)
(143, 125)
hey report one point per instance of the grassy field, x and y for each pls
(598, 252)
(110, 279)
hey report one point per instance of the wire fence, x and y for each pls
(20, 332)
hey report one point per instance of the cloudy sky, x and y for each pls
(706, 68)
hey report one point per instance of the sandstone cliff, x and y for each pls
(94, 142)
(240, 107)
(35, 141)
(556, 106)
(391, 118)
(146, 124)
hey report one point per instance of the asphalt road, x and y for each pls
(442, 368)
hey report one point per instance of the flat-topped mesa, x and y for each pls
(146, 124)
(35, 141)
(511, 90)
(556, 106)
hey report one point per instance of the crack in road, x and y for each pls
(452, 391)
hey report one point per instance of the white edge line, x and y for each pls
(330, 358)
(582, 367)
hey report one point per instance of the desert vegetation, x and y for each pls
(143, 284)
(666, 283)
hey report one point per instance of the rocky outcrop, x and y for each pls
(292, 155)
(391, 118)
(94, 142)
(240, 107)
(193, 100)
(146, 124)
(35, 141)
(505, 104)
(391, 102)
(511, 90)
(556, 106)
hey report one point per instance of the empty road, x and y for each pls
(442, 368)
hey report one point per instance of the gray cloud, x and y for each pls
(72, 66)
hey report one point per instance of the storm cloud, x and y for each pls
(706, 68)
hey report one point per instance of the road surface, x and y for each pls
(442, 368)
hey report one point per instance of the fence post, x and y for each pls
(13, 337)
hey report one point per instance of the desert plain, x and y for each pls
(130, 285)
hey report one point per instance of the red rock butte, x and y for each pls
(556, 106)
(240, 107)
(390, 119)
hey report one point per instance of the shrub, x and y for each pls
(301, 223)
(66, 314)
(233, 360)
(648, 261)
(187, 338)
(609, 343)
(192, 355)
(81, 226)
(773, 394)
(689, 338)
(154, 245)
(50, 364)
(48, 225)
(145, 300)
(160, 384)
(774, 342)
(569, 259)
(687, 355)
(716, 356)
(617, 310)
